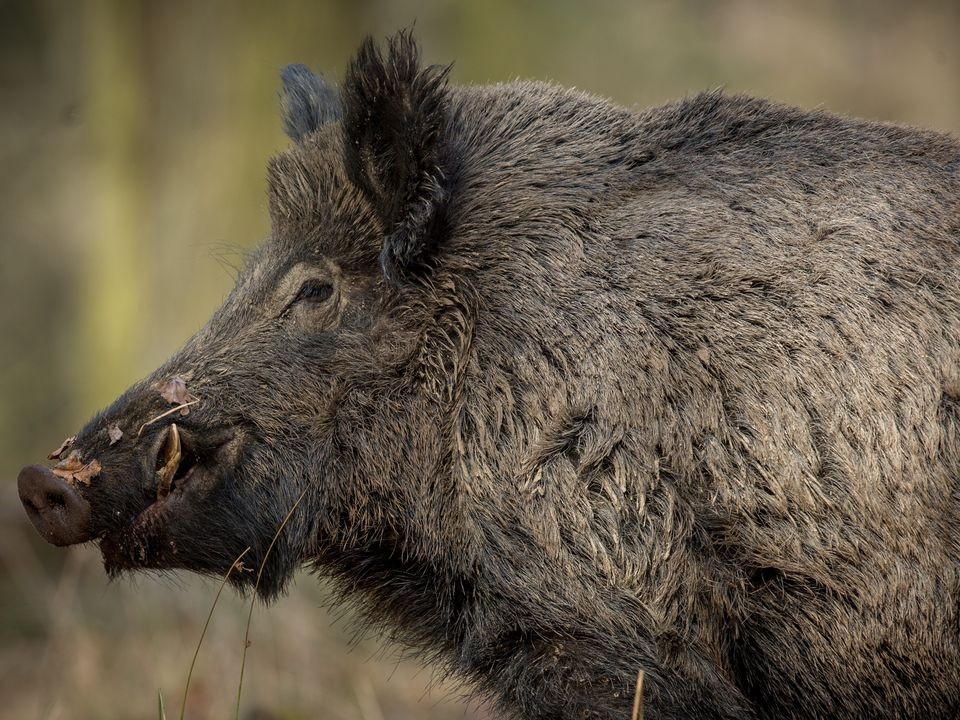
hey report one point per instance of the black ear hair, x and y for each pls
(307, 102)
(395, 146)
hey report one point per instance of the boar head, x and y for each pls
(315, 383)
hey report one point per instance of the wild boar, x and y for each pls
(559, 391)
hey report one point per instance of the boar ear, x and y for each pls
(395, 146)
(307, 102)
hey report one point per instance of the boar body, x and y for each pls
(573, 391)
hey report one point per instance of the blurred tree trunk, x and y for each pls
(108, 330)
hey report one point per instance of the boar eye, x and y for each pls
(315, 291)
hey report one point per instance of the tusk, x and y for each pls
(171, 461)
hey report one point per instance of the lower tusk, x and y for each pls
(171, 461)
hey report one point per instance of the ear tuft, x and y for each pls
(308, 102)
(396, 150)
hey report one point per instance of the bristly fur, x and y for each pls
(395, 148)
(576, 391)
(307, 102)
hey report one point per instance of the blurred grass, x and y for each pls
(133, 138)
(75, 648)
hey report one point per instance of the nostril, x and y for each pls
(57, 500)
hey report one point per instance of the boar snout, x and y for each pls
(54, 506)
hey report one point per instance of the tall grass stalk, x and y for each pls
(253, 599)
(638, 698)
(186, 688)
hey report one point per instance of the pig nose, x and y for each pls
(54, 506)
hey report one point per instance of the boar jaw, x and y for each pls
(190, 464)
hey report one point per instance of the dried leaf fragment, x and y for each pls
(175, 392)
(114, 433)
(71, 463)
(73, 470)
(64, 446)
(171, 461)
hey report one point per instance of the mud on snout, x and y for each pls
(143, 478)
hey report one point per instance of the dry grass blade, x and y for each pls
(253, 600)
(161, 712)
(638, 698)
(203, 633)
(162, 415)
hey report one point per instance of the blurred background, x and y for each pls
(133, 139)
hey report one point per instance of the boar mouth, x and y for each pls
(183, 453)
(188, 465)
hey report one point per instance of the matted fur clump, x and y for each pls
(571, 391)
